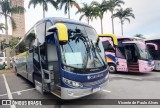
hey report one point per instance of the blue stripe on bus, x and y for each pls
(111, 57)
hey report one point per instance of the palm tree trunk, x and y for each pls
(101, 26)
(43, 11)
(68, 10)
(112, 23)
(122, 27)
(88, 20)
(7, 43)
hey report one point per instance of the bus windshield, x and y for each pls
(144, 53)
(81, 50)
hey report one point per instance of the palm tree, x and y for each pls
(68, 4)
(2, 26)
(88, 12)
(124, 15)
(6, 11)
(112, 5)
(100, 9)
(44, 3)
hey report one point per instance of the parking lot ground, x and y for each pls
(121, 86)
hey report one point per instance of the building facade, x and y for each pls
(19, 20)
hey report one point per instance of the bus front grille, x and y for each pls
(87, 84)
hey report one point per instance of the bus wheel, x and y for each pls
(112, 68)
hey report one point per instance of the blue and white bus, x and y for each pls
(62, 56)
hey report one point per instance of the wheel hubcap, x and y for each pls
(111, 69)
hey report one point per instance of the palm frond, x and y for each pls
(53, 3)
(34, 3)
(17, 10)
(81, 16)
(127, 19)
(76, 5)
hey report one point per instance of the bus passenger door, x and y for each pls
(132, 56)
(52, 58)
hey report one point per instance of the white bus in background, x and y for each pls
(155, 53)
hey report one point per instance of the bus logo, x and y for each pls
(94, 76)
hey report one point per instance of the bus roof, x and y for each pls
(55, 20)
(60, 19)
(124, 37)
(152, 37)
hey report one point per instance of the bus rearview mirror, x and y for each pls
(62, 32)
(114, 38)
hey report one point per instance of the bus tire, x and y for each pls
(112, 68)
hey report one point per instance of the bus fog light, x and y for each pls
(72, 83)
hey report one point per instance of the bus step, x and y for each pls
(133, 70)
(57, 92)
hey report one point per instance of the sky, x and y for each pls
(146, 20)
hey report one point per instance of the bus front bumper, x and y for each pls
(68, 93)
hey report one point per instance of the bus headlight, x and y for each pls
(72, 83)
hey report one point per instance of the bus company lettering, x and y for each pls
(94, 76)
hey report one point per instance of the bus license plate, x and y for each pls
(95, 89)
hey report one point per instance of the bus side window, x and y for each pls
(48, 24)
(40, 33)
(119, 54)
(30, 40)
(107, 46)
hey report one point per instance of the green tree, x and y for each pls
(100, 9)
(67, 4)
(140, 36)
(2, 27)
(13, 42)
(112, 5)
(124, 15)
(87, 11)
(6, 11)
(44, 4)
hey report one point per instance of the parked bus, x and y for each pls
(132, 56)
(153, 44)
(63, 57)
(110, 43)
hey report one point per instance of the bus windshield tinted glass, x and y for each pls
(81, 51)
(144, 53)
(154, 53)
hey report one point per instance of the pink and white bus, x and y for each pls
(131, 56)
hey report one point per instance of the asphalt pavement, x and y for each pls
(121, 86)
